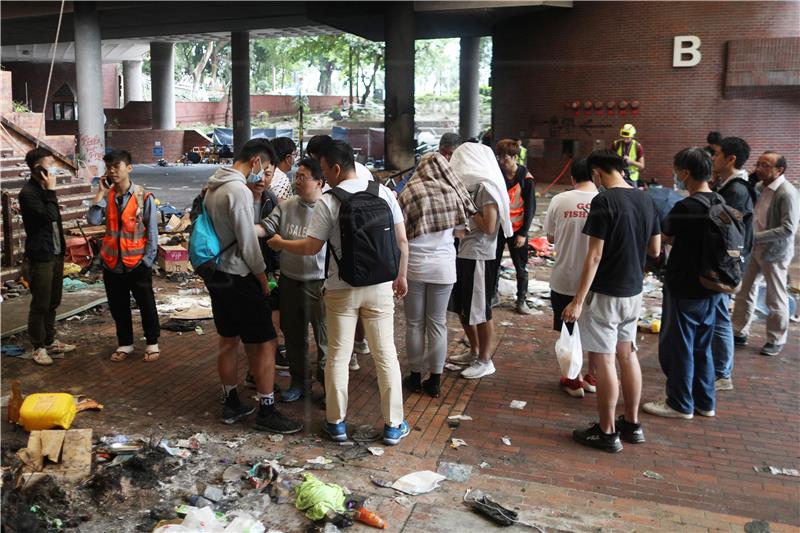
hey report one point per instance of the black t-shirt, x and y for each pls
(624, 219)
(685, 224)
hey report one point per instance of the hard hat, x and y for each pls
(627, 131)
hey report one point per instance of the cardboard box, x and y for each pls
(65, 455)
(173, 259)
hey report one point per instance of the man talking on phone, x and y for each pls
(128, 251)
(44, 254)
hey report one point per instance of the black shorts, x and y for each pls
(559, 302)
(240, 308)
(472, 294)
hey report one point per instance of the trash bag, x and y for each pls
(484, 504)
(569, 351)
(316, 498)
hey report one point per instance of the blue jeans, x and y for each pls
(684, 351)
(722, 346)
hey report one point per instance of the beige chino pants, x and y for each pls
(375, 306)
(777, 299)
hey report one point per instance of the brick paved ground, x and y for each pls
(707, 464)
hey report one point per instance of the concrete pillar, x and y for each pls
(468, 98)
(399, 103)
(240, 88)
(89, 73)
(132, 81)
(162, 84)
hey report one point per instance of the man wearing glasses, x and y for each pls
(775, 224)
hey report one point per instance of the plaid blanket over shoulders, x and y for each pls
(434, 199)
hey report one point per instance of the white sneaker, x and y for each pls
(361, 348)
(41, 357)
(465, 358)
(662, 409)
(354, 362)
(705, 413)
(723, 384)
(60, 347)
(479, 369)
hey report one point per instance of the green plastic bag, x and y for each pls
(316, 498)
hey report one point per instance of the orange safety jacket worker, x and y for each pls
(521, 200)
(126, 235)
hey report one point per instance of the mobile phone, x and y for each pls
(39, 172)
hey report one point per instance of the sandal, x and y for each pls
(149, 357)
(119, 356)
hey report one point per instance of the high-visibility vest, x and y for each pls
(126, 235)
(632, 170)
(516, 204)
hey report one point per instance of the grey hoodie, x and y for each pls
(229, 203)
(290, 220)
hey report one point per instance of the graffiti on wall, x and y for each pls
(92, 150)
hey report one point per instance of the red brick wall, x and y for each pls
(604, 51)
(140, 143)
(35, 75)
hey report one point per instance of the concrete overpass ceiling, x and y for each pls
(112, 51)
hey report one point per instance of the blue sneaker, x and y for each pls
(292, 394)
(392, 436)
(337, 432)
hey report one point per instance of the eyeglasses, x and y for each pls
(763, 165)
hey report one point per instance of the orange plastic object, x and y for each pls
(365, 516)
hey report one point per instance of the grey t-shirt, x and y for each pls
(290, 219)
(476, 244)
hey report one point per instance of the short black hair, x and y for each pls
(313, 166)
(257, 147)
(736, 147)
(114, 157)
(450, 140)
(580, 170)
(35, 156)
(605, 160)
(781, 162)
(696, 161)
(713, 137)
(338, 153)
(283, 146)
(316, 143)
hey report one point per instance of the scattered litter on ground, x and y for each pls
(457, 443)
(384, 483)
(83, 403)
(757, 526)
(484, 504)
(375, 450)
(459, 417)
(518, 404)
(275, 437)
(61, 454)
(455, 471)
(405, 502)
(47, 410)
(366, 433)
(453, 367)
(484, 464)
(365, 516)
(652, 475)
(316, 499)
(175, 452)
(777, 471)
(319, 460)
(418, 482)
(506, 323)
(506, 441)
(199, 330)
(12, 350)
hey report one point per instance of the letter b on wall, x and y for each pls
(686, 51)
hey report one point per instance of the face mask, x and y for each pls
(54, 171)
(679, 185)
(255, 178)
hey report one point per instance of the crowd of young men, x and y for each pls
(436, 243)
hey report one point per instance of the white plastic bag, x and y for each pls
(569, 352)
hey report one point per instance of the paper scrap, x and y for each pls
(375, 450)
(506, 441)
(459, 417)
(518, 404)
(418, 482)
(652, 475)
(457, 443)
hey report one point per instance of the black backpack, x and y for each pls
(723, 245)
(370, 254)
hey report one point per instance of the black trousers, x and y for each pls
(519, 256)
(119, 287)
(46, 282)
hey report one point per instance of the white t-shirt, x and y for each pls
(325, 224)
(565, 219)
(432, 258)
(363, 172)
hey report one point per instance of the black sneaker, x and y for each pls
(740, 340)
(771, 348)
(281, 361)
(273, 420)
(594, 437)
(233, 413)
(630, 432)
(412, 383)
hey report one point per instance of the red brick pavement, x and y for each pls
(707, 464)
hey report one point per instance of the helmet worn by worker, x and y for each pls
(628, 131)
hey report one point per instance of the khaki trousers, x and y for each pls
(777, 299)
(375, 306)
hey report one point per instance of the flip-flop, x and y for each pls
(118, 356)
(150, 357)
